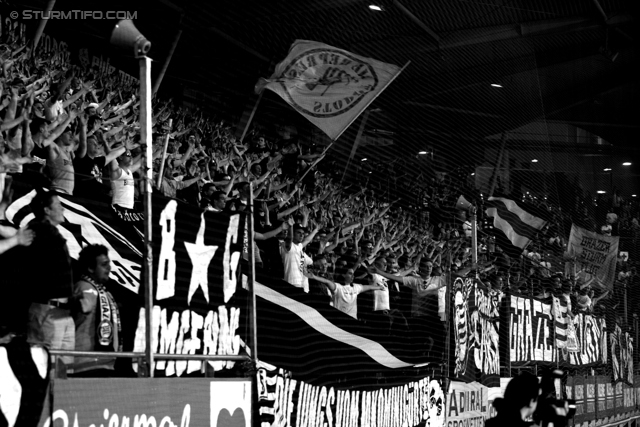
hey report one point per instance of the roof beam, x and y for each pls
(417, 21)
(452, 109)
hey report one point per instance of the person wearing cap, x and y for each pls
(92, 109)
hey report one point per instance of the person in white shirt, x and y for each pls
(345, 295)
(295, 260)
(122, 182)
(425, 324)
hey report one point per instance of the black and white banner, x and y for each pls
(621, 345)
(91, 222)
(285, 401)
(196, 309)
(475, 332)
(531, 334)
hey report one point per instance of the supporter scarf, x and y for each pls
(109, 328)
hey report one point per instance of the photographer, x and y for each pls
(519, 403)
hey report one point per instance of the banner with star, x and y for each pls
(196, 271)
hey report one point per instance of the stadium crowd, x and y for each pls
(75, 131)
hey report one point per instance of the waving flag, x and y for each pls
(515, 227)
(327, 85)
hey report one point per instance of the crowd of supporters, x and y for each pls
(75, 131)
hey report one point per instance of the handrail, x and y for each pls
(159, 356)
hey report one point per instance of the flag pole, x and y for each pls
(253, 111)
(164, 155)
(251, 115)
(316, 161)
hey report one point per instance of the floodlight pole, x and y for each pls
(147, 263)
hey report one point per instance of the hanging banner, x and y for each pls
(590, 398)
(629, 398)
(285, 401)
(618, 395)
(636, 387)
(196, 269)
(592, 341)
(621, 345)
(475, 332)
(467, 404)
(91, 222)
(601, 396)
(596, 256)
(579, 396)
(605, 394)
(531, 326)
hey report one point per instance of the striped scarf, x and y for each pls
(108, 326)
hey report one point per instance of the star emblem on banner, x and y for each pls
(200, 255)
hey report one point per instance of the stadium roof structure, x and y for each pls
(478, 67)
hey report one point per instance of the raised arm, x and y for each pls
(310, 237)
(375, 270)
(81, 148)
(272, 233)
(331, 285)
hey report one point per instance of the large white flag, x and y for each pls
(327, 85)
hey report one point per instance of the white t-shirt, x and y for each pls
(421, 289)
(344, 298)
(53, 109)
(295, 263)
(381, 296)
(123, 190)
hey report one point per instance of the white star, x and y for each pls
(201, 256)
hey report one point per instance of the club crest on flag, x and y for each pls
(329, 86)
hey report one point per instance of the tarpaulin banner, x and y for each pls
(475, 332)
(579, 395)
(596, 256)
(285, 401)
(531, 326)
(590, 397)
(196, 309)
(621, 346)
